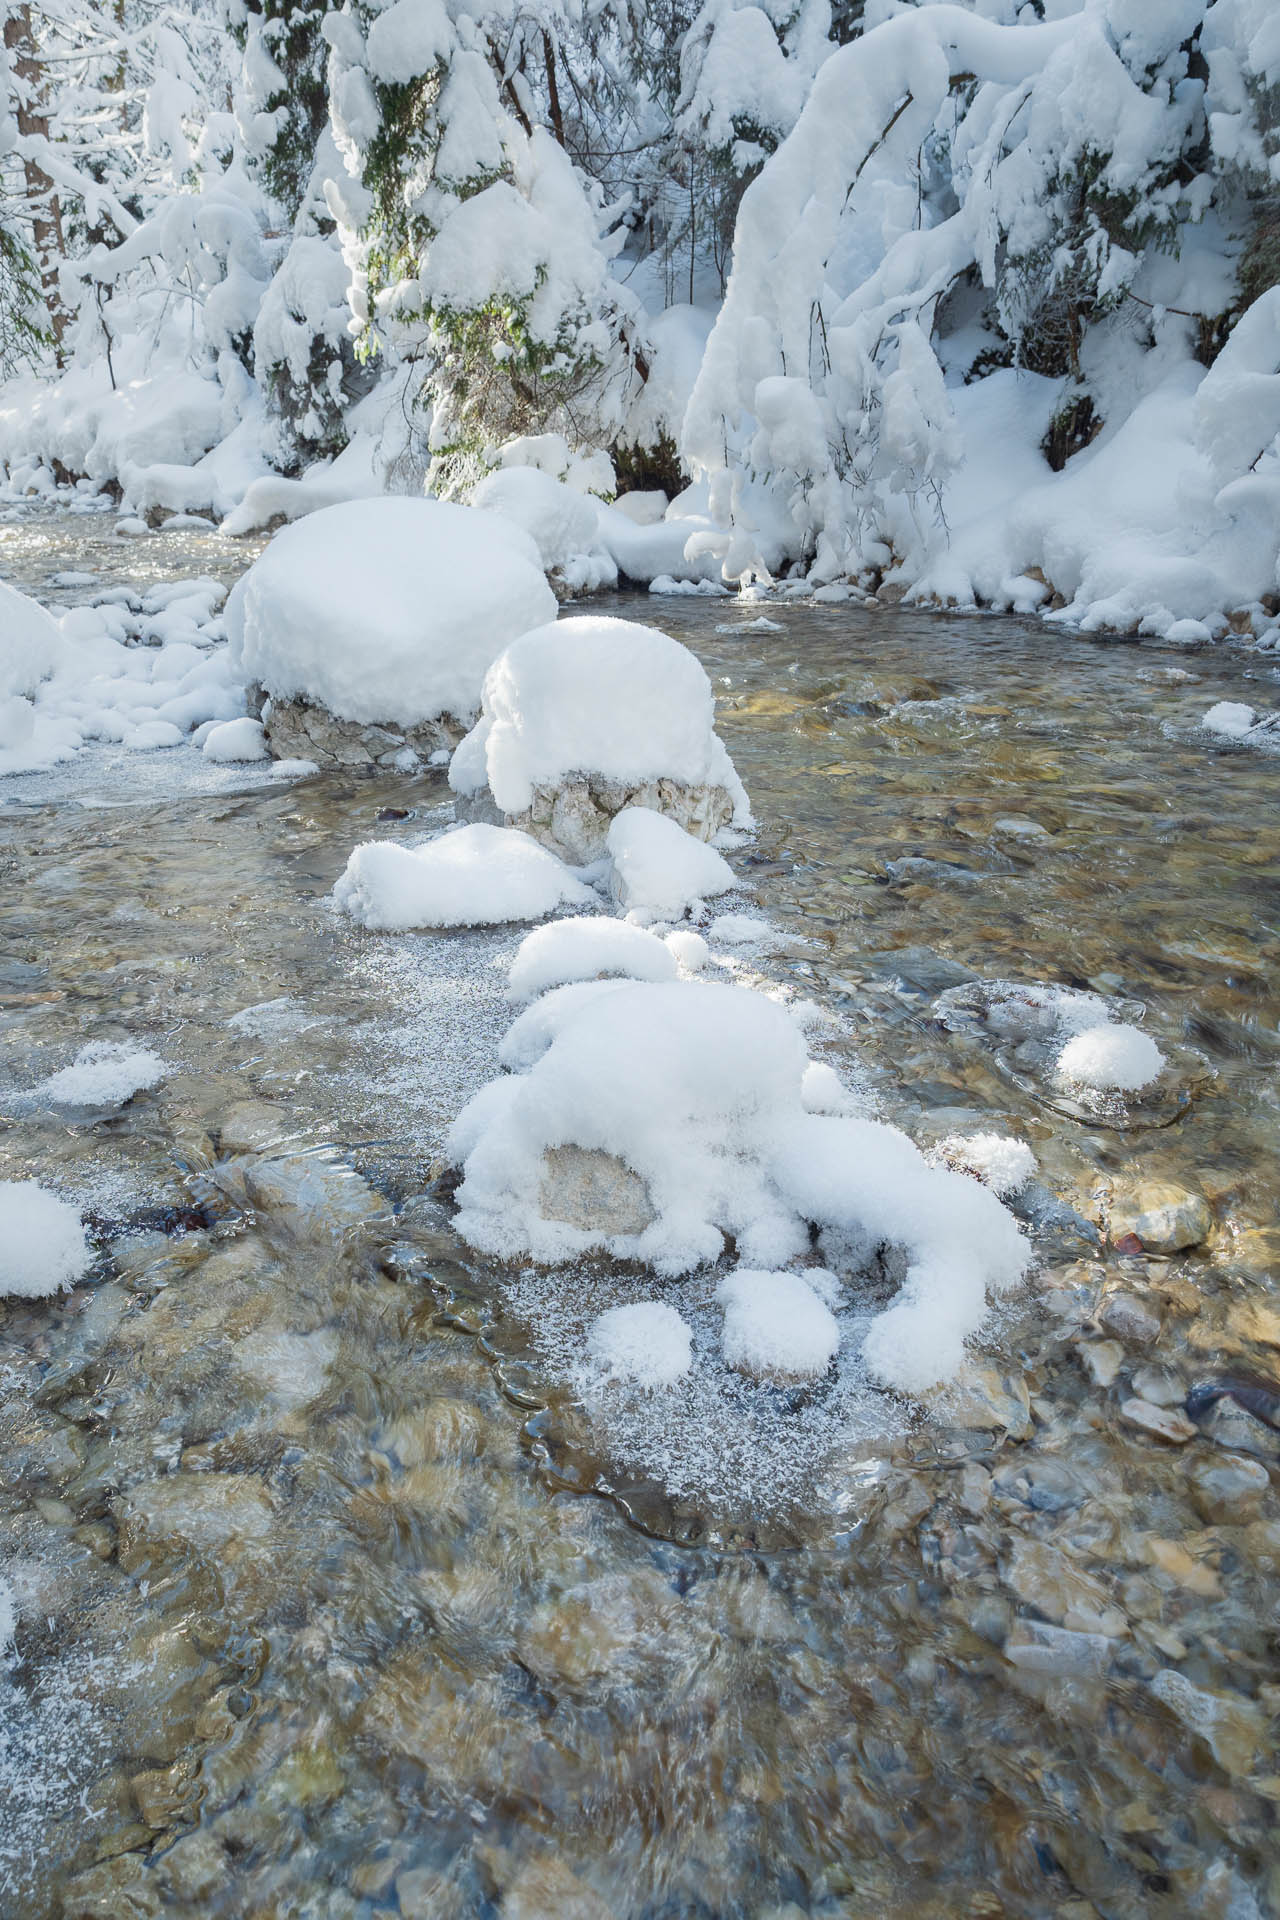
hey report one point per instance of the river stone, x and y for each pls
(194, 1867)
(593, 1191)
(296, 730)
(1037, 1647)
(1231, 1727)
(546, 1886)
(1125, 1315)
(251, 1126)
(573, 819)
(1229, 1492)
(206, 1510)
(1162, 1423)
(1165, 1218)
(1102, 1360)
(1254, 1322)
(321, 1196)
(1042, 1577)
(981, 1398)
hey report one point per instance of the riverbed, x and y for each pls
(336, 1600)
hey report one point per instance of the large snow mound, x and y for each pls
(688, 1097)
(660, 872)
(586, 949)
(42, 1243)
(475, 876)
(594, 695)
(386, 609)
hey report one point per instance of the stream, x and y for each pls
(335, 1600)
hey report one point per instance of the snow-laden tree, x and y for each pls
(28, 211)
(304, 356)
(1036, 168)
(475, 247)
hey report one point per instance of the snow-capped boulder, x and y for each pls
(370, 626)
(657, 1122)
(587, 716)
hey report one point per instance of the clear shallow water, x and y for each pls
(315, 1618)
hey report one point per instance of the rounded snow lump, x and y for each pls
(42, 1243)
(659, 870)
(475, 876)
(31, 647)
(232, 741)
(1111, 1058)
(587, 948)
(775, 1326)
(387, 610)
(647, 1343)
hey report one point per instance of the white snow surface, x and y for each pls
(698, 1089)
(84, 676)
(42, 1243)
(1111, 1058)
(234, 741)
(593, 695)
(474, 876)
(586, 949)
(106, 1073)
(1001, 1163)
(775, 1326)
(386, 610)
(645, 1342)
(561, 522)
(1231, 718)
(660, 872)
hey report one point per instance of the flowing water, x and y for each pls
(334, 1600)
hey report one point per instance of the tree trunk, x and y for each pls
(42, 198)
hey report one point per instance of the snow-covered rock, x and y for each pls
(659, 871)
(586, 716)
(42, 1243)
(384, 613)
(587, 949)
(1003, 1164)
(775, 1327)
(1111, 1058)
(475, 876)
(232, 741)
(683, 1106)
(645, 1343)
(106, 1073)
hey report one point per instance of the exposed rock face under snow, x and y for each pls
(587, 716)
(384, 613)
(297, 730)
(593, 1192)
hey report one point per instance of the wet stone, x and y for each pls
(1037, 1647)
(1124, 1315)
(1163, 1217)
(1231, 1727)
(203, 1510)
(1102, 1360)
(1162, 1423)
